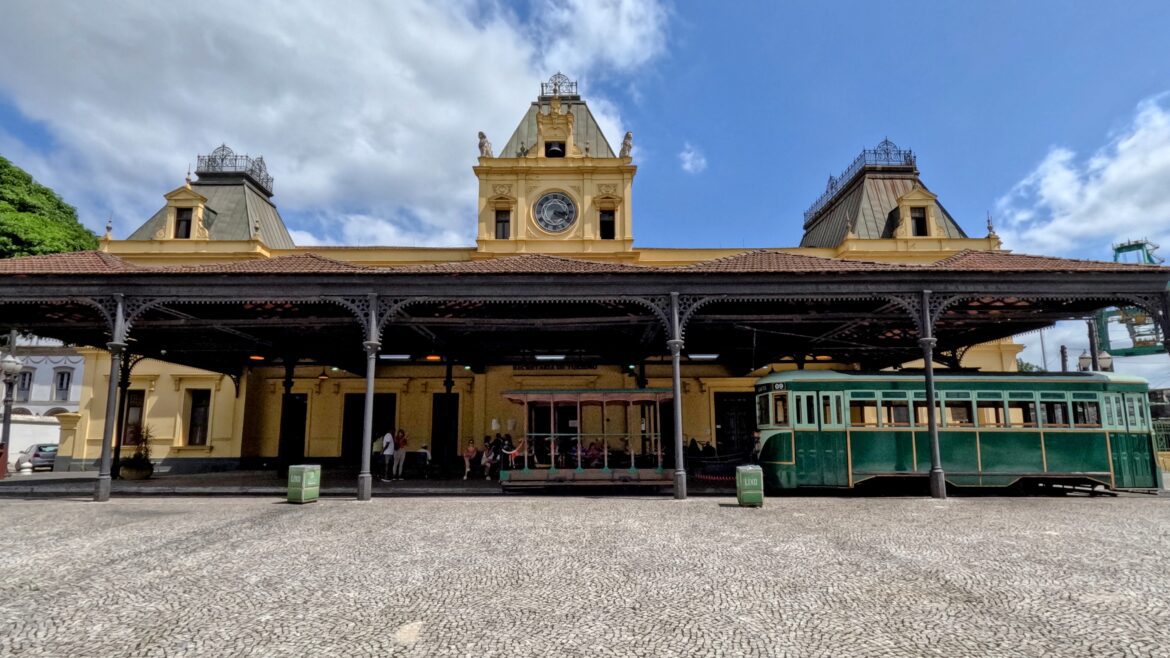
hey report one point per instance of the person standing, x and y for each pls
(399, 453)
(387, 453)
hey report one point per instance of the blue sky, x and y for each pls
(1051, 115)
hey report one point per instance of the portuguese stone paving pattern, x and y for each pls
(585, 576)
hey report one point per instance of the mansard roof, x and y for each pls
(238, 190)
(864, 199)
(587, 134)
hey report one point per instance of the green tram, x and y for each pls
(836, 429)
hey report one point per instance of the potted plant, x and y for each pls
(137, 466)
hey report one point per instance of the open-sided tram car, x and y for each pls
(836, 429)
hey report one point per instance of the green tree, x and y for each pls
(1024, 366)
(34, 220)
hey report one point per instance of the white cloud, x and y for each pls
(612, 35)
(366, 111)
(1079, 208)
(691, 159)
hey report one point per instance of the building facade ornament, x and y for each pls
(627, 145)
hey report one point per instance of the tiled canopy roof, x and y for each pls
(759, 261)
(766, 260)
(80, 262)
(294, 264)
(523, 264)
(998, 261)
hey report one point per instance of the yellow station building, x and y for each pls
(558, 190)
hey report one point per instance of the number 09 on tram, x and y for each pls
(836, 429)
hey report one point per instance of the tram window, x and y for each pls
(1109, 422)
(895, 413)
(1021, 413)
(920, 418)
(780, 409)
(989, 413)
(1133, 412)
(958, 413)
(1086, 414)
(1118, 411)
(1053, 413)
(806, 409)
(762, 410)
(863, 413)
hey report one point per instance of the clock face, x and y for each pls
(555, 212)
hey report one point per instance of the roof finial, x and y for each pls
(188, 179)
(109, 228)
(990, 226)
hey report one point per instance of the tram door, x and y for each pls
(819, 423)
(1132, 463)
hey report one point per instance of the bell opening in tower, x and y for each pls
(554, 149)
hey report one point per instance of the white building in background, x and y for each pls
(48, 384)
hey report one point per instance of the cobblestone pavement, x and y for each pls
(579, 576)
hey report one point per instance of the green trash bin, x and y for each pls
(304, 483)
(749, 485)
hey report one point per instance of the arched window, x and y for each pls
(21, 411)
(56, 410)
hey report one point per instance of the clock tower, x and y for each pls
(557, 186)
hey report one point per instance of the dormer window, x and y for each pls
(183, 223)
(503, 224)
(607, 227)
(554, 149)
(918, 223)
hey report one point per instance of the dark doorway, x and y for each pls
(353, 420)
(445, 432)
(666, 408)
(735, 423)
(294, 408)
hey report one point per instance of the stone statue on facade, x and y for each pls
(485, 147)
(627, 145)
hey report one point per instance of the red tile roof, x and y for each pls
(754, 261)
(767, 260)
(522, 264)
(998, 261)
(79, 262)
(307, 263)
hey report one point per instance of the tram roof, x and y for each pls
(943, 375)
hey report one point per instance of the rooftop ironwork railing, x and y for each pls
(224, 160)
(886, 153)
(559, 85)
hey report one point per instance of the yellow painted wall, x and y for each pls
(166, 387)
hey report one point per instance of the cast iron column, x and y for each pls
(5, 433)
(676, 344)
(371, 345)
(120, 425)
(938, 483)
(116, 345)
